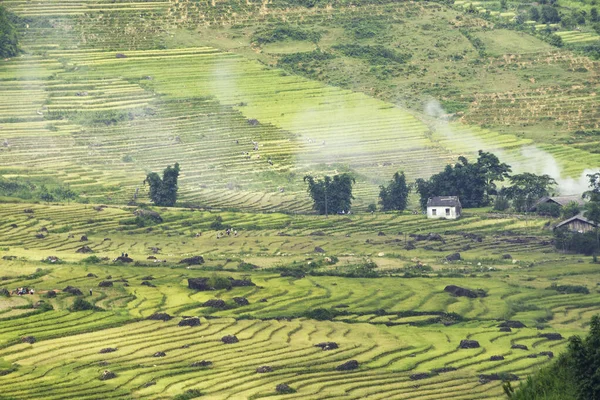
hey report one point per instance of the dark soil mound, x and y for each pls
(421, 375)
(551, 336)
(463, 292)
(284, 388)
(443, 369)
(434, 237)
(519, 346)
(13, 226)
(229, 339)
(160, 317)
(83, 238)
(28, 211)
(317, 233)
(120, 55)
(264, 369)
(241, 301)
(547, 353)
(90, 275)
(108, 350)
(105, 284)
(193, 321)
(196, 260)
(159, 354)
(9, 258)
(512, 324)
(532, 356)
(341, 306)
(39, 236)
(505, 329)
(319, 250)
(496, 358)
(149, 284)
(73, 290)
(28, 339)
(347, 366)
(380, 233)
(499, 377)
(84, 250)
(124, 259)
(453, 257)
(327, 345)
(4, 292)
(148, 384)
(468, 344)
(202, 363)
(241, 282)
(50, 294)
(199, 284)
(506, 257)
(215, 303)
(148, 278)
(263, 301)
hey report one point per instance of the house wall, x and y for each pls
(579, 226)
(440, 212)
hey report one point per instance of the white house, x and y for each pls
(444, 207)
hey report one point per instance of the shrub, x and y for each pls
(568, 289)
(92, 260)
(219, 282)
(82, 305)
(549, 209)
(571, 210)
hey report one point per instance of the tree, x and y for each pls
(395, 195)
(571, 209)
(549, 15)
(527, 188)
(473, 183)
(592, 213)
(534, 14)
(8, 34)
(594, 193)
(163, 192)
(331, 195)
(594, 15)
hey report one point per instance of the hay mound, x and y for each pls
(90, 275)
(551, 336)
(84, 250)
(73, 290)
(148, 278)
(159, 354)
(160, 317)
(319, 250)
(443, 369)
(284, 388)
(519, 346)
(549, 354)
(202, 363)
(196, 260)
(421, 375)
(153, 215)
(327, 345)
(229, 339)
(512, 324)
(215, 303)
(108, 350)
(83, 238)
(347, 366)
(149, 284)
(496, 358)
(506, 257)
(505, 329)
(28, 339)
(106, 375)
(124, 259)
(498, 377)
(453, 257)
(264, 369)
(463, 292)
(241, 282)
(241, 301)
(468, 344)
(199, 284)
(50, 294)
(192, 321)
(105, 284)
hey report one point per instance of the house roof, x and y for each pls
(561, 200)
(443, 201)
(578, 217)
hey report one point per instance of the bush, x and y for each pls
(582, 243)
(82, 305)
(568, 289)
(219, 282)
(92, 260)
(571, 210)
(501, 203)
(8, 34)
(549, 210)
(321, 314)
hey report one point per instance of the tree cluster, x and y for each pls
(331, 195)
(394, 196)
(9, 43)
(163, 192)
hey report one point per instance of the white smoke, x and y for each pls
(528, 158)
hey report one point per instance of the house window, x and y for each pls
(447, 211)
(433, 211)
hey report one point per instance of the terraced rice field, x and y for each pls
(388, 324)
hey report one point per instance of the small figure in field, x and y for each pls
(122, 254)
(270, 162)
(235, 233)
(237, 141)
(126, 255)
(31, 292)
(90, 292)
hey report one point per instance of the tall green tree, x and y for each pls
(9, 43)
(163, 192)
(331, 195)
(527, 188)
(394, 196)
